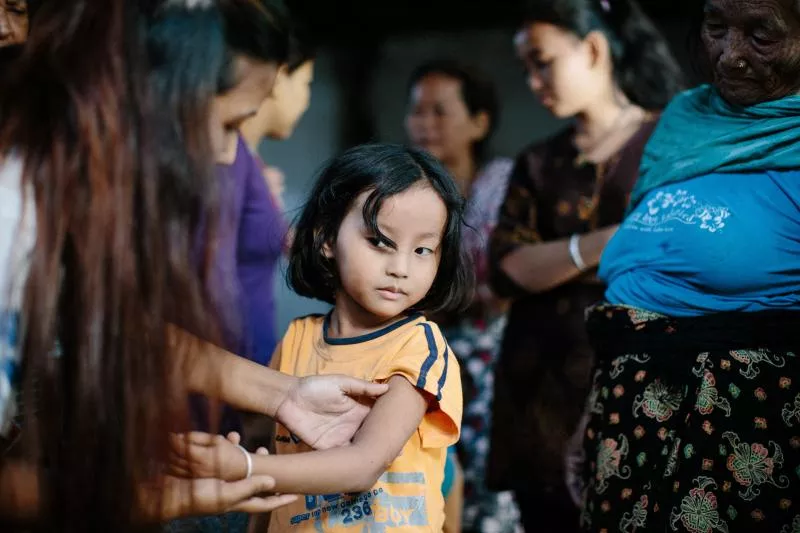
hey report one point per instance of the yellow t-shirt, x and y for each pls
(408, 497)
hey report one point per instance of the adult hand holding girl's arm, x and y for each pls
(352, 468)
(322, 410)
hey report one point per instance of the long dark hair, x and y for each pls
(477, 91)
(115, 213)
(644, 68)
(386, 170)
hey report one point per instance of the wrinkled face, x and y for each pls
(13, 22)
(383, 278)
(754, 48)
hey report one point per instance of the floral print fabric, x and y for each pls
(712, 445)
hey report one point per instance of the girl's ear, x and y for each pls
(327, 250)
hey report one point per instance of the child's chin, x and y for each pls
(385, 311)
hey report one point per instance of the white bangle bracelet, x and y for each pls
(575, 252)
(249, 460)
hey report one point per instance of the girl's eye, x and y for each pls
(423, 251)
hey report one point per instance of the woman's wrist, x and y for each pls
(575, 253)
(260, 389)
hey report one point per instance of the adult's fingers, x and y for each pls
(264, 505)
(236, 492)
(181, 440)
(234, 437)
(357, 387)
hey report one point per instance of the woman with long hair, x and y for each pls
(104, 176)
(603, 64)
(108, 261)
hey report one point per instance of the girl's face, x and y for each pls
(381, 279)
(562, 70)
(438, 120)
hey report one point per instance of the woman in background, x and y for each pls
(280, 113)
(263, 229)
(694, 415)
(603, 64)
(452, 113)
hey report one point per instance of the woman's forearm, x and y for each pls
(544, 266)
(222, 375)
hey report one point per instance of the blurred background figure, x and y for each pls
(279, 114)
(452, 113)
(605, 66)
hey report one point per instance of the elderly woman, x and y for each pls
(694, 419)
(13, 22)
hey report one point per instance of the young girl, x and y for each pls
(379, 239)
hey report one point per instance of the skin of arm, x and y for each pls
(544, 266)
(222, 375)
(19, 496)
(354, 467)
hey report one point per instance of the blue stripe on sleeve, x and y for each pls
(433, 354)
(443, 378)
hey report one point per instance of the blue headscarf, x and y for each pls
(700, 133)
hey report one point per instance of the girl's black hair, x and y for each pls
(477, 92)
(385, 170)
(644, 67)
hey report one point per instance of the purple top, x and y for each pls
(260, 231)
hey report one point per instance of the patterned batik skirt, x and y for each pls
(694, 423)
